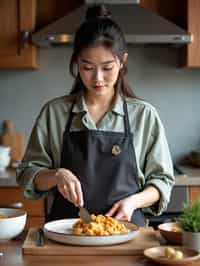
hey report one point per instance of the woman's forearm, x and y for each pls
(146, 198)
(45, 180)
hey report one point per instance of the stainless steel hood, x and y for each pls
(139, 25)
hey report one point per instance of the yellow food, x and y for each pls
(174, 254)
(176, 228)
(2, 216)
(178, 255)
(169, 252)
(100, 226)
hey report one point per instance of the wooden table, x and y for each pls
(12, 256)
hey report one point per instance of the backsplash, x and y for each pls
(154, 73)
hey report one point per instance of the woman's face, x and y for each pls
(99, 70)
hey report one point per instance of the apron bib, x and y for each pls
(105, 164)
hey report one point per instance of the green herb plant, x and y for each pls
(189, 220)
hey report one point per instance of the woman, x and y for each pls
(100, 147)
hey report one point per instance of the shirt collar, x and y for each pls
(80, 105)
(118, 107)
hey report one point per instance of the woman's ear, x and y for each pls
(125, 58)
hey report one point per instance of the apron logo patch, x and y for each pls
(116, 150)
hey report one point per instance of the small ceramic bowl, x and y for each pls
(12, 222)
(157, 254)
(167, 231)
(4, 157)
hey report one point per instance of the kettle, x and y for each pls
(4, 157)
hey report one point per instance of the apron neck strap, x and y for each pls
(71, 115)
(126, 119)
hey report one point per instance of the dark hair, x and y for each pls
(100, 29)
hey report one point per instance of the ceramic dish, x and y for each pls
(157, 254)
(61, 231)
(166, 230)
(12, 222)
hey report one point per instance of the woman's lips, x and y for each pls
(99, 87)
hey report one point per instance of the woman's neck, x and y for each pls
(99, 106)
(100, 100)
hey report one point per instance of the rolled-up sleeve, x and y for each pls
(158, 169)
(37, 157)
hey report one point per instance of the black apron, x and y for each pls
(105, 164)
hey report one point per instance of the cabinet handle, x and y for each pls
(25, 39)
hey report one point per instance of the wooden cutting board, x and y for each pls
(14, 140)
(145, 239)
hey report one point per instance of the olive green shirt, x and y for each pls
(153, 158)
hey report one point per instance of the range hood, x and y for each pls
(140, 26)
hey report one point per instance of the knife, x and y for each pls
(40, 238)
(84, 215)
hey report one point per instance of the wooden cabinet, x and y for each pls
(185, 13)
(35, 209)
(192, 51)
(194, 192)
(16, 17)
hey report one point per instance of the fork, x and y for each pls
(84, 215)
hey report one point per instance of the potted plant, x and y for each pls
(189, 221)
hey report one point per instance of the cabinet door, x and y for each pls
(194, 193)
(12, 195)
(17, 16)
(35, 208)
(192, 52)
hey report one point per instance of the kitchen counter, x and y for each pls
(190, 178)
(8, 178)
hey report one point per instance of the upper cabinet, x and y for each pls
(16, 18)
(186, 14)
(192, 51)
(19, 17)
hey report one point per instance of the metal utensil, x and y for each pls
(40, 241)
(84, 215)
(16, 205)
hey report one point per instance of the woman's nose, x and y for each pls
(98, 75)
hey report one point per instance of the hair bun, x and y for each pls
(97, 11)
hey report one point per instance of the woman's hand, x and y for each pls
(123, 209)
(69, 186)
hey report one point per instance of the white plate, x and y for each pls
(61, 231)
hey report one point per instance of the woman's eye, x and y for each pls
(108, 68)
(87, 68)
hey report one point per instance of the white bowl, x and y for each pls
(4, 157)
(13, 223)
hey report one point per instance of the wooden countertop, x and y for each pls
(12, 255)
(190, 178)
(8, 178)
